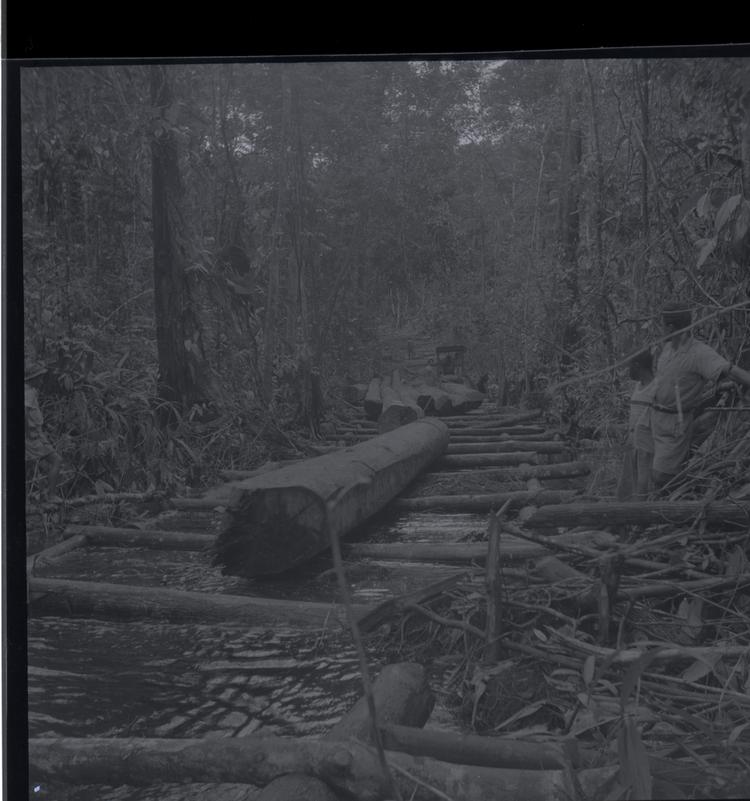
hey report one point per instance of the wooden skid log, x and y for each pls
(433, 400)
(542, 471)
(373, 403)
(639, 513)
(511, 549)
(55, 551)
(123, 601)
(505, 447)
(483, 502)
(283, 518)
(111, 537)
(461, 553)
(472, 749)
(297, 787)
(489, 460)
(350, 769)
(499, 420)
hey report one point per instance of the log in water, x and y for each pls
(283, 518)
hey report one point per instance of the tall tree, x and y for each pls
(184, 376)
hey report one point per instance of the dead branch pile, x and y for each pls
(637, 646)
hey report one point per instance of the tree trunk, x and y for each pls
(285, 517)
(184, 377)
(125, 602)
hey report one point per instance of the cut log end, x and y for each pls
(287, 521)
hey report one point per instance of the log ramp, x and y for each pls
(340, 491)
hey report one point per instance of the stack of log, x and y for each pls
(392, 401)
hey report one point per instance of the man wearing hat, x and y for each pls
(685, 369)
(38, 447)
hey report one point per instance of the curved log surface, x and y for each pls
(283, 518)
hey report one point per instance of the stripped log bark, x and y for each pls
(484, 502)
(123, 601)
(113, 537)
(350, 769)
(373, 402)
(284, 518)
(644, 513)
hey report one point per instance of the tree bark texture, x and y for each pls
(285, 517)
(183, 373)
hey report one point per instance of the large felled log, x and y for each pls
(433, 400)
(396, 410)
(351, 769)
(483, 502)
(373, 403)
(284, 518)
(638, 513)
(123, 601)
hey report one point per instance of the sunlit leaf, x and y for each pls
(634, 673)
(588, 669)
(725, 212)
(636, 770)
(707, 248)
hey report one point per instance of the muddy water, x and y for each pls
(91, 678)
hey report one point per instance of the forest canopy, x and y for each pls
(199, 238)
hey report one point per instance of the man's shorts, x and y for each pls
(671, 440)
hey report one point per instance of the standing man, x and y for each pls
(635, 478)
(685, 369)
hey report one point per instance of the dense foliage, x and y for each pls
(541, 211)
